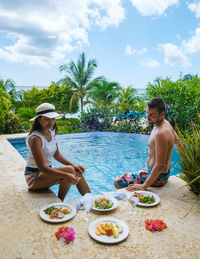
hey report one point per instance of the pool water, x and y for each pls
(104, 155)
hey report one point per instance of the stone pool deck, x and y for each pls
(23, 235)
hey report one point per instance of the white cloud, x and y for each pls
(130, 51)
(151, 63)
(193, 44)
(174, 55)
(43, 32)
(195, 7)
(115, 12)
(153, 7)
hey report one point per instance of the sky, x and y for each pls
(133, 41)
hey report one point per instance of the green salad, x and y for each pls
(147, 199)
(102, 203)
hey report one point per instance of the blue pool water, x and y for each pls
(104, 155)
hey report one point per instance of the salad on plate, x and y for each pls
(103, 203)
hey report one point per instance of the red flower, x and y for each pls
(155, 225)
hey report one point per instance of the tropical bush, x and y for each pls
(25, 113)
(190, 154)
(8, 121)
(129, 100)
(131, 124)
(59, 96)
(67, 126)
(12, 125)
(181, 97)
(104, 120)
(96, 120)
(9, 86)
(104, 94)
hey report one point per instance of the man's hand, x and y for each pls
(135, 187)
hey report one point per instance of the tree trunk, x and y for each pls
(81, 105)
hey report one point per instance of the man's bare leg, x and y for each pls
(116, 185)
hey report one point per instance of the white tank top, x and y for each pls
(48, 148)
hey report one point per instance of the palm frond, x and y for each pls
(190, 158)
(79, 76)
(73, 99)
(73, 71)
(94, 82)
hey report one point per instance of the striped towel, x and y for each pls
(116, 195)
(79, 204)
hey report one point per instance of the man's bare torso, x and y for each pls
(166, 131)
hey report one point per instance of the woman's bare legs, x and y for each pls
(46, 181)
(82, 185)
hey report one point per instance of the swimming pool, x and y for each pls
(105, 155)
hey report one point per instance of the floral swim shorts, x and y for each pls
(139, 178)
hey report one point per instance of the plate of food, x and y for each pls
(104, 203)
(57, 212)
(108, 230)
(147, 199)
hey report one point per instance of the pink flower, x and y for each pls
(154, 226)
(68, 235)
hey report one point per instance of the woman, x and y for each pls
(43, 146)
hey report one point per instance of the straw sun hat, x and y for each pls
(47, 110)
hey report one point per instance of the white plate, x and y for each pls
(70, 207)
(156, 197)
(112, 199)
(104, 238)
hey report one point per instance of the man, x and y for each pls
(161, 143)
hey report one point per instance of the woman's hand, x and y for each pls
(73, 179)
(79, 169)
(134, 187)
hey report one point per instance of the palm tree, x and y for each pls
(189, 77)
(127, 100)
(9, 87)
(104, 94)
(79, 77)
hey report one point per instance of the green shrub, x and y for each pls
(25, 113)
(101, 120)
(59, 96)
(190, 162)
(67, 126)
(96, 120)
(181, 97)
(9, 123)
